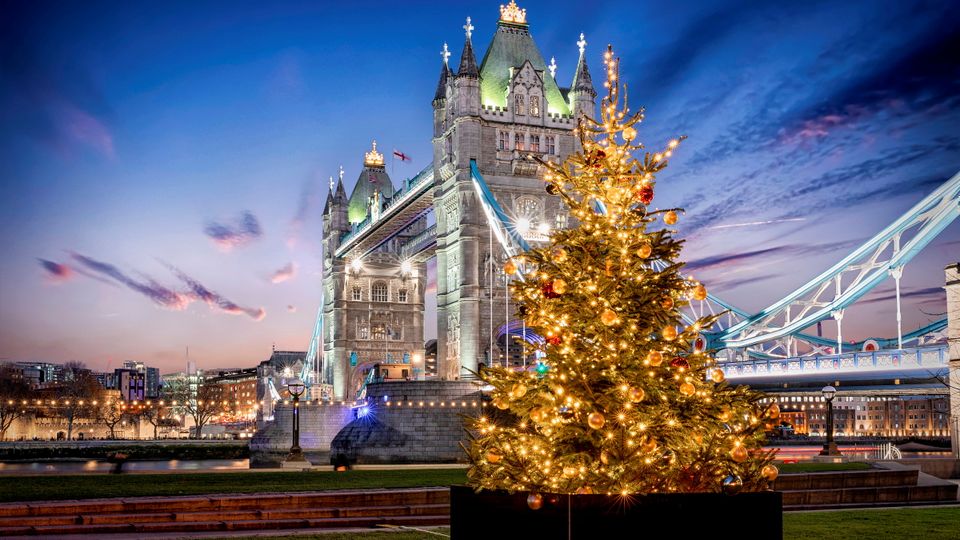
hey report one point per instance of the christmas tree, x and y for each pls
(625, 399)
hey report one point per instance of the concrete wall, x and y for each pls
(953, 339)
(318, 426)
(410, 422)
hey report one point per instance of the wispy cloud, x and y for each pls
(291, 308)
(56, 272)
(923, 295)
(215, 300)
(157, 293)
(241, 232)
(286, 273)
(756, 223)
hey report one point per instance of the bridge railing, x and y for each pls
(400, 196)
(416, 243)
(931, 358)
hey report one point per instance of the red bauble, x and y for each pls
(680, 362)
(554, 340)
(547, 290)
(646, 194)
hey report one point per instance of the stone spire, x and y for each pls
(468, 61)
(445, 75)
(581, 77)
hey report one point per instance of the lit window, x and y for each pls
(561, 221)
(402, 295)
(518, 141)
(504, 141)
(551, 144)
(518, 104)
(357, 293)
(534, 105)
(363, 332)
(534, 143)
(379, 331)
(379, 292)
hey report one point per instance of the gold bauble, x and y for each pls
(559, 254)
(725, 414)
(688, 389)
(536, 415)
(770, 472)
(559, 286)
(648, 445)
(604, 458)
(569, 471)
(596, 420)
(644, 251)
(500, 404)
(510, 267)
(670, 217)
(667, 302)
(717, 375)
(655, 358)
(739, 454)
(629, 134)
(585, 490)
(636, 395)
(608, 317)
(774, 411)
(669, 333)
(700, 292)
(535, 501)
(493, 456)
(518, 390)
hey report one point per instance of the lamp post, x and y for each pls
(296, 389)
(829, 447)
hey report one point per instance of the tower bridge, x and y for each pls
(481, 200)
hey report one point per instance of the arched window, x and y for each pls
(379, 292)
(357, 293)
(518, 141)
(363, 331)
(561, 220)
(518, 104)
(402, 295)
(534, 105)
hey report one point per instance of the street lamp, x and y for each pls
(829, 447)
(296, 389)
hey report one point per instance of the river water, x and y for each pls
(96, 466)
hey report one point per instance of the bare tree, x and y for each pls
(13, 390)
(202, 405)
(110, 413)
(157, 413)
(76, 394)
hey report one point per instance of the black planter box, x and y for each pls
(498, 515)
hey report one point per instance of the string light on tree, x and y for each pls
(624, 398)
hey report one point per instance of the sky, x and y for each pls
(163, 165)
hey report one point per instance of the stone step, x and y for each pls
(869, 496)
(240, 525)
(140, 505)
(846, 479)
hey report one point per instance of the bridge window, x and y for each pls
(534, 105)
(402, 295)
(518, 104)
(379, 292)
(379, 332)
(357, 293)
(561, 221)
(551, 145)
(363, 331)
(503, 141)
(534, 143)
(518, 141)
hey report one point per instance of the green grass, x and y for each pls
(787, 468)
(91, 486)
(898, 523)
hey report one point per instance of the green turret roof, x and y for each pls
(373, 178)
(512, 45)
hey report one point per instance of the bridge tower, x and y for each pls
(373, 307)
(495, 113)
(953, 350)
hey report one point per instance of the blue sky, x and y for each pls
(165, 164)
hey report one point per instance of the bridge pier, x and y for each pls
(953, 350)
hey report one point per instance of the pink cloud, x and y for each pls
(56, 272)
(286, 273)
(291, 308)
(80, 126)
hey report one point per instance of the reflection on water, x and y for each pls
(95, 466)
(794, 454)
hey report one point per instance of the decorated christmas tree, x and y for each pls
(625, 399)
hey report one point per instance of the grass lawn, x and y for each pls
(787, 468)
(898, 523)
(91, 486)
